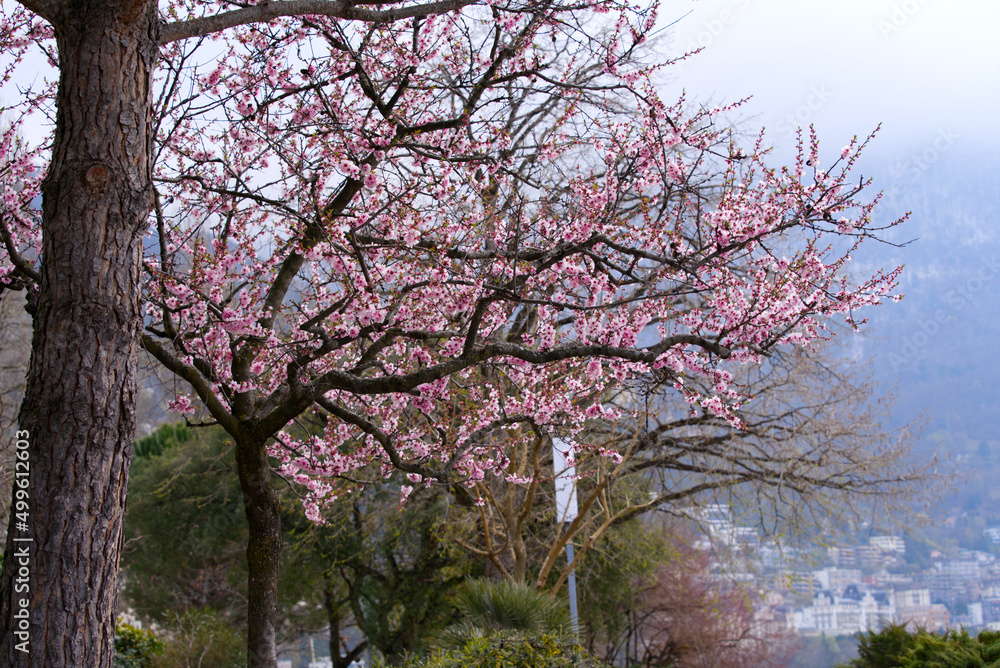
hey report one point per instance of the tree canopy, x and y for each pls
(367, 212)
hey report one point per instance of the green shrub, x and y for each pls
(135, 647)
(161, 440)
(200, 637)
(508, 649)
(883, 649)
(487, 606)
(895, 647)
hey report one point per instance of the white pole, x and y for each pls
(566, 512)
(574, 617)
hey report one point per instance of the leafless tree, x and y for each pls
(689, 616)
(813, 450)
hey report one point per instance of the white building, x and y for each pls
(843, 615)
(976, 613)
(912, 598)
(837, 579)
(716, 520)
(915, 610)
(891, 544)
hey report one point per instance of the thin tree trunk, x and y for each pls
(333, 616)
(339, 654)
(78, 413)
(263, 553)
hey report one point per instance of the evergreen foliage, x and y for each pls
(895, 647)
(135, 647)
(186, 533)
(508, 648)
(165, 437)
(488, 606)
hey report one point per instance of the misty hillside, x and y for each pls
(938, 346)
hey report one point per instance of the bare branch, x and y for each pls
(19, 262)
(268, 11)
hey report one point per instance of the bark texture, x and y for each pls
(263, 552)
(79, 405)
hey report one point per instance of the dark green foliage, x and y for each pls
(389, 570)
(488, 606)
(186, 535)
(883, 649)
(508, 649)
(622, 563)
(397, 566)
(956, 649)
(164, 438)
(186, 527)
(135, 647)
(895, 647)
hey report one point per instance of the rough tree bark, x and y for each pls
(79, 405)
(263, 552)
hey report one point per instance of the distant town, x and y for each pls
(861, 587)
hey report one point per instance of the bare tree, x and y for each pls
(689, 616)
(812, 449)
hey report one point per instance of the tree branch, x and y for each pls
(268, 11)
(195, 379)
(47, 9)
(384, 439)
(19, 262)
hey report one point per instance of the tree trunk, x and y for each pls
(79, 406)
(263, 553)
(333, 616)
(339, 654)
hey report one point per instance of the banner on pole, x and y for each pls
(566, 508)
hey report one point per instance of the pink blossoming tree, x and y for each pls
(427, 223)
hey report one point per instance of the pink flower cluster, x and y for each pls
(353, 219)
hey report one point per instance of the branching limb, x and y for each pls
(268, 11)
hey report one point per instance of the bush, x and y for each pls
(508, 649)
(135, 647)
(161, 440)
(200, 637)
(487, 606)
(894, 647)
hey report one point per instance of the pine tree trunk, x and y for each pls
(263, 553)
(79, 405)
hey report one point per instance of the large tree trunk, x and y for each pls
(263, 552)
(78, 409)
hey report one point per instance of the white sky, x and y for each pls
(916, 65)
(924, 68)
(921, 67)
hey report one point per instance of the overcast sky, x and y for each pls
(924, 68)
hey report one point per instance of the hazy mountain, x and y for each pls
(940, 343)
